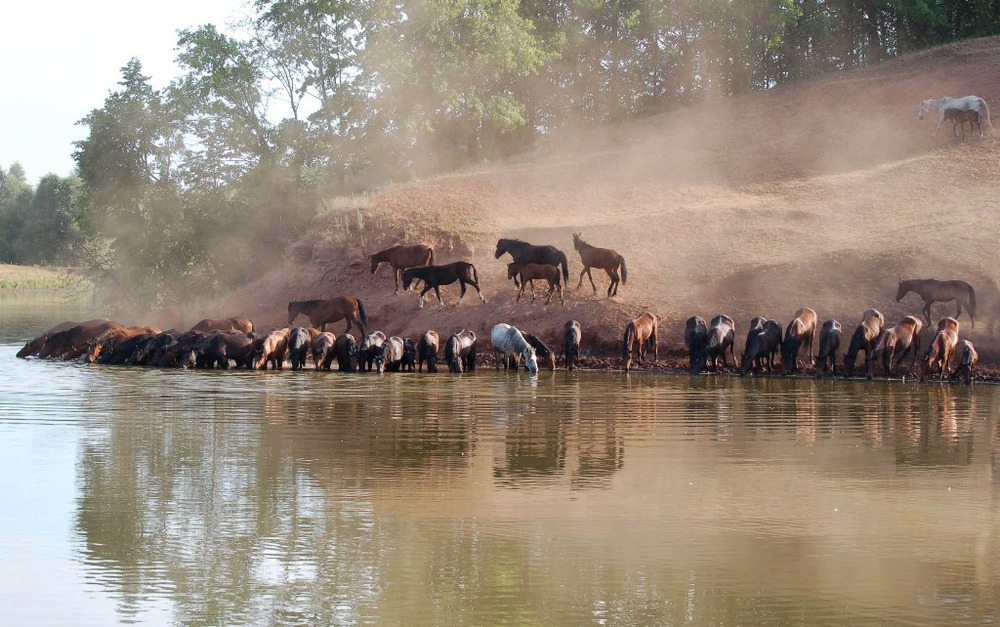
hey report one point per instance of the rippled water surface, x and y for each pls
(230, 498)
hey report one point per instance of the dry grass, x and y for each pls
(14, 277)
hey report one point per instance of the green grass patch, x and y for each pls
(14, 277)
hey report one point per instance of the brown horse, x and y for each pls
(829, 341)
(934, 291)
(111, 338)
(604, 258)
(402, 256)
(229, 325)
(939, 353)
(960, 117)
(899, 339)
(531, 271)
(427, 350)
(324, 312)
(33, 346)
(270, 349)
(436, 276)
(964, 361)
(71, 343)
(640, 334)
(865, 337)
(800, 331)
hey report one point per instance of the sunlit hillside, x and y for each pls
(822, 194)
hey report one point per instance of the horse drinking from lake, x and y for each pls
(695, 339)
(799, 332)
(939, 352)
(402, 256)
(523, 252)
(866, 335)
(606, 259)
(721, 336)
(436, 276)
(900, 339)
(507, 341)
(324, 312)
(572, 336)
(934, 291)
(829, 341)
(460, 351)
(640, 335)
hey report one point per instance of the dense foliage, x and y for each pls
(200, 184)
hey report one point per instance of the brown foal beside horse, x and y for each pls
(640, 334)
(605, 259)
(402, 256)
(531, 271)
(324, 312)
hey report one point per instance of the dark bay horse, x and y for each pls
(695, 339)
(324, 312)
(934, 291)
(964, 361)
(865, 337)
(761, 346)
(572, 335)
(436, 276)
(640, 334)
(403, 256)
(605, 259)
(829, 342)
(523, 252)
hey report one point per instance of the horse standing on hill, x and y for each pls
(934, 291)
(959, 117)
(606, 259)
(640, 334)
(436, 276)
(523, 252)
(324, 312)
(402, 256)
(530, 271)
(965, 103)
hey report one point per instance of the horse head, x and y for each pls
(375, 263)
(924, 109)
(577, 238)
(530, 359)
(501, 248)
(903, 289)
(407, 279)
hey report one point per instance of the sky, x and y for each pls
(61, 60)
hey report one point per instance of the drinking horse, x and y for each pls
(865, 337)
(901, 338)
(507, 341)
(640, 334)
(934, 291)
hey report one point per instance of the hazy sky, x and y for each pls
(61, 59)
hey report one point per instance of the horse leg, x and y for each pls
(437, 290)
(427, 288)
(591, 277)
(927, 311)
(613, 288)
(475, 284)
(395, 276)
(580, 282)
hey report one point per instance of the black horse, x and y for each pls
(523, 252)
(436, 276)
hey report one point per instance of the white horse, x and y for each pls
(965, 103)
(507, 341)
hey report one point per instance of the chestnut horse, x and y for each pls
(865, 337)
(531, 271)
(934, 291)
(427, 350)
(229, 325)
(402, 256)
(964, 361)
(899, 339)
(605, 259)
(800, 331)
(324, 312)
(942, 346)
(640, 334)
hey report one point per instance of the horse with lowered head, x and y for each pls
(800, 332)
(965, 103)
(934, 291)
(324, 312)
(572, 336)
(436, 276)
(721, 335)
(899, 339)
(523, 252)
(640, 334)
(402, 256)
(460, 351)
(507, 341)
(866, 335)
(606, 259)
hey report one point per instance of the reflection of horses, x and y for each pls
(964, 361)
(523, 252)
(543, 353)
(761, 347)
(934, 291)
(829, 341)
(864, 339)
(403, 256)
(939, 353)
(508, 341)
(965, 103)
(695, 338)
(604, 258)
(572, 336)
(531, 271)
(324, 312)
(436, 276)
(800, 331)
(230, 325)
(640, 334)
(899, 339)
(460, 351)
(721, 335)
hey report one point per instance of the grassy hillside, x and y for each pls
(820, 194)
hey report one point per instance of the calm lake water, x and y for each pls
(248, 498)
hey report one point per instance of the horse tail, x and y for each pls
(986, 108)
(565, 265)
(362, 314)
(624, 270)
